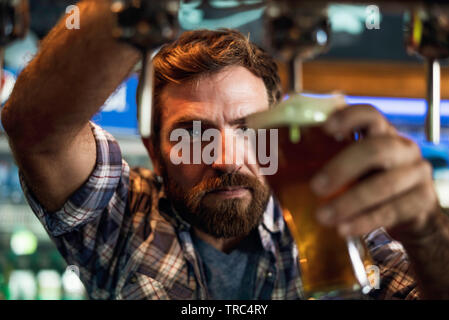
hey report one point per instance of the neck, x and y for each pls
(225, 245)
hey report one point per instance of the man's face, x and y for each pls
(226, 198)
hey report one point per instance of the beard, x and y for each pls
(227, 218)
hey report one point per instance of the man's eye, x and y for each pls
(194, 133)
(243, 129)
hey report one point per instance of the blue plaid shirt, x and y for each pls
(127, 242)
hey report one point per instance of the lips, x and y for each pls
(228, 189)
(229, 192)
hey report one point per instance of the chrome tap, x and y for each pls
(296, 32)
(147, 25)
(14, 23)
(427, 34)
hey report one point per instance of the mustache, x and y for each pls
(226, 180)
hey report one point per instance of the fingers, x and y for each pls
(410, 208)
(374, 191)
(379, 181)
(343, 122)
(361, 158)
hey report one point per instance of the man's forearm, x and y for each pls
(68, 81)
(429, 255)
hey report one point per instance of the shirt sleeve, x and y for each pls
(397, 280)
(91, 228)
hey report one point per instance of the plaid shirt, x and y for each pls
(121, 233)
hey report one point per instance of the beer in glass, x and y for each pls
(330, 265)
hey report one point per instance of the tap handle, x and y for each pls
(296, 30)
(146, 24)
(14, 20)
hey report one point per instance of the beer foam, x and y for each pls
(298, 110)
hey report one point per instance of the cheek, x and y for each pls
(253, 170)
(184, 175)
(247, 157)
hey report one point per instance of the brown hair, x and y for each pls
(201, 52)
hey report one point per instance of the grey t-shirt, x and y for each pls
(230, 276)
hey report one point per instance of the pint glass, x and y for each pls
(330, 265)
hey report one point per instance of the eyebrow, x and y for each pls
(187, 120)
(239, 121)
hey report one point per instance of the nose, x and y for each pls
(227, 159)
(226, 168)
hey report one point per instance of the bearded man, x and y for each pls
(203, 231)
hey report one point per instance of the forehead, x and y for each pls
(222, 97)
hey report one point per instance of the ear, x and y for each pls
(154, 154)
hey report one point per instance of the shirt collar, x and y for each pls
(273, 220)
(169, 212)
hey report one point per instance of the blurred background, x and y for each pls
(368, 65)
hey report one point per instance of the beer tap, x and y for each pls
(147, 25)
(296, 32)
(299, 30)
(427, 34)
(14, 23)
